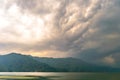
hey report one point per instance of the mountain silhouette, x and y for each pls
(15, 62)
(22, 63)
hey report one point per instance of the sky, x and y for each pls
(86, 29)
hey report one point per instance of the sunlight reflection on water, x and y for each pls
(65, 76)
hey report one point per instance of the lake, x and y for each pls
(58, 76)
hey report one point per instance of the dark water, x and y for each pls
(58, 76)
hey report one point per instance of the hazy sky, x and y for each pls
(87, 29)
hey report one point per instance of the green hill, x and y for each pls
(21, 63)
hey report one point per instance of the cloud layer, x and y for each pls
(87, 29)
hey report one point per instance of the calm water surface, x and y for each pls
(58, 76)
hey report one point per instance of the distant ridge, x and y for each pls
(22, 63)
(75, 65)
(16, 62)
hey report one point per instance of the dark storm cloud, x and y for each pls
(106, 27)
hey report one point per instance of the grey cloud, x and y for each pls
(62, 26)
(106, 27)
(38, 7)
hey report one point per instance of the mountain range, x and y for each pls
(15, 62)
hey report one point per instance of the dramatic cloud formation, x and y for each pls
(87, 29)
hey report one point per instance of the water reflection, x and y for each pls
(60, 76)
(24, 78)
